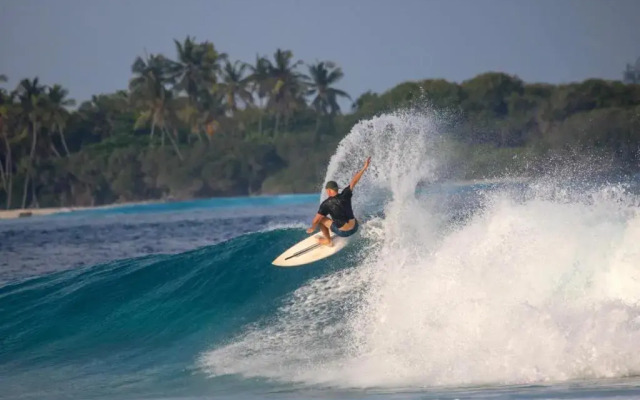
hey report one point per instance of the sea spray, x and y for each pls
(538, 284)
(523, 292)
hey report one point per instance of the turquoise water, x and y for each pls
(198, 204)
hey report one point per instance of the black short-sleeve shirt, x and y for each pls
(339, 207)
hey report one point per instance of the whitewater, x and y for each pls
(509, 289)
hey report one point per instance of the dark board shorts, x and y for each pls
(348, 233)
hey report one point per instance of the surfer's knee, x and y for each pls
(326, 222)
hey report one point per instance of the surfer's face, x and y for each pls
(332, 192)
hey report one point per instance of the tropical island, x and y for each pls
(201, 125)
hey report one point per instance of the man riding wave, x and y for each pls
(338, 205)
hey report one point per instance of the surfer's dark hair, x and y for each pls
(331, 185)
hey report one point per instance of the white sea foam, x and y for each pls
(542, 287)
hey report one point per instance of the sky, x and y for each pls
(88, 46)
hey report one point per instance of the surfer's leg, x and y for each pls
(325, 224)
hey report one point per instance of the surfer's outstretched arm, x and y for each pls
(357, 176)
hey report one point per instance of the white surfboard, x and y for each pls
(309, 250)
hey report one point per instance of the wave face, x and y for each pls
(533, 283)
(467, 285)
(138, 324)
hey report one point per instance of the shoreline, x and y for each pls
(39, 212)
(35, 212)
(19, 213)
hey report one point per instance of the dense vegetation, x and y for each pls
(201, 125)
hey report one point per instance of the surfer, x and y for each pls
(338, 205)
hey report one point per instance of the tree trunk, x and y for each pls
(260, 123)
(34, 198)
(9, 174)
(315, 132)
(173, 142)
(24, 192)
(275, 132)
(3, 174)
(64, 142)
(153, 128)
(7, 182)
(55, 151)
(10, 191)
(34, 140)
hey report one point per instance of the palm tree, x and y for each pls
(6, 168)
(286, 91)
(235, 85)
(197, 66)
(148, 87)
(102, 111)
(32, 105)
(322, 76)
(150, 95)
(213, 111)
(260, 82)
(195, 73)
(57, 114)
(190, 116)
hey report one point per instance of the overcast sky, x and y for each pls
(88, 46)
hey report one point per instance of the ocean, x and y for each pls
(506, 289)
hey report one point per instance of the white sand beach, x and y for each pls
(30, 212)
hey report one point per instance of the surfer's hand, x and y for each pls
(311, 230)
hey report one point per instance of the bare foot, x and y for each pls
(324, 241)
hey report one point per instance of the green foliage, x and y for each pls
(487, 94)
(322, 76)
(235, 85)
(201, 126)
